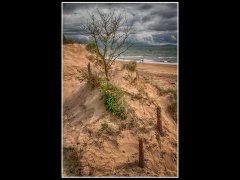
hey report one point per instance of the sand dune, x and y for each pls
(115, 152)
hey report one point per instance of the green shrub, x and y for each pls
(91, 47)
(130, 66)
(113, 99)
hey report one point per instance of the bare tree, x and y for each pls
(110, 32)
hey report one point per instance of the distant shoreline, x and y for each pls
(147, 62)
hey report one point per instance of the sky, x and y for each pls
(154, 23)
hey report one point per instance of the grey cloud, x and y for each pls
(166, 11)
(173, 5)
(71, 7)
(164, 24)
(165, 14)
(78, 38)
(149, 19)
(134, 20)
(146, 6)
(146, 18)
(163, 27)
(165, 37)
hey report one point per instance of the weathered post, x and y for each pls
(141, 155)
(89, 71)
(159, 121)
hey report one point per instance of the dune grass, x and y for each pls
(172, 106)
(88, 76)
(113, 99)
(91, 47)
(163, 92)
(72, 162)
(130, 66)
(104, 126)
(172, 109)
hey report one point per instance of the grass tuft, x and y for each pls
(91, 78)
(104, 126)
(91, 47)
(130, 66)
(72, 162)
(113, 98)
(172, 107)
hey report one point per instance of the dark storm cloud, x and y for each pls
(166, 11)
(164, 25)
(152, 21)
(146, 6)
(70, 7)
(164, 14)
(173, 5)
(146, 18)
(170, 37)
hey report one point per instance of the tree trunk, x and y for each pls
(106, 69)
(106, 72)
(90, 75)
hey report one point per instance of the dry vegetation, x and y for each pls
(172, 106)
(130, 66)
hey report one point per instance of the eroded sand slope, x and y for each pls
(115, 152)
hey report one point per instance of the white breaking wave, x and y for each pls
(167, 57)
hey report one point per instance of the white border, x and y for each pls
(177, 93)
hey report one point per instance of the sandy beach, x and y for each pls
(115, 153)
(158, 68)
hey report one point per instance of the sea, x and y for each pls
(157, 54)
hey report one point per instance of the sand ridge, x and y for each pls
(115, 152)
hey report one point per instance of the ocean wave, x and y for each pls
(149, 59)
(131, 57)
(167, 57)
(146, 57)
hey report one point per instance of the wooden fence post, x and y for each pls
(159, 121)
(89, 71)
(141, 155)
